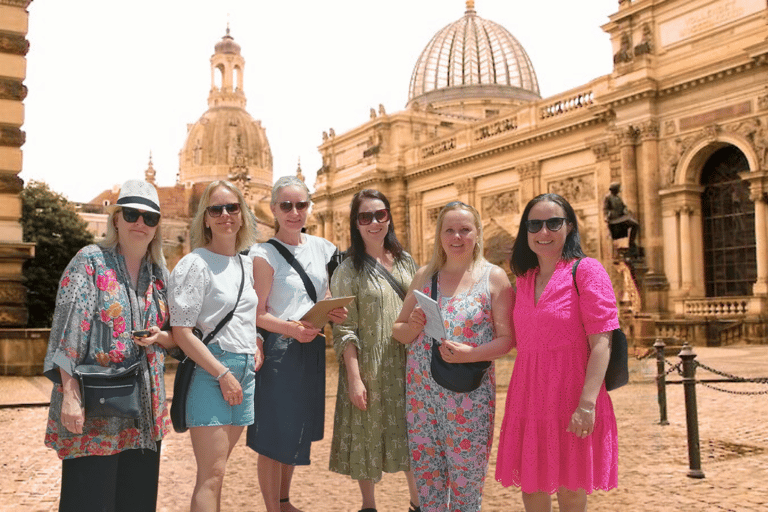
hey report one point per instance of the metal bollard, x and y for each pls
(691, 416)
(661, 381)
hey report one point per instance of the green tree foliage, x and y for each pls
(50, 221)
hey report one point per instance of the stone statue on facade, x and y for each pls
(621, 222)
(625, 50)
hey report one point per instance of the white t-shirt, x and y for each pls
(288, 299)
(203, 289)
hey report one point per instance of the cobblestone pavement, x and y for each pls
(653, 460)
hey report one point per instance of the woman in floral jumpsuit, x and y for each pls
(450, 433)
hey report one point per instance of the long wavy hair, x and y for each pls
(155, 248)
(200, 236)
(438, 254)
(357, 246)
(523, 258)
(288, 181)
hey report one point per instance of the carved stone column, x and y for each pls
(626, 138)
(415, 232)
(650, 218)
(602, 152)
(530, 174)
(327, 221)
(13, 251)
(758, 192)
(466, 189)
(684, 214)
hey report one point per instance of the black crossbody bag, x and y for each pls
(617, 373)
(186, 368)
(112, 392)
(458, 377)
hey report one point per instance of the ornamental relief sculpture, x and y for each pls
(465, 185)
(587, 231)
(430, 219)
(755, 131)
(576, 189)
(339, 232)
(649, 130)
(762, 102)
(529, 170)
(505, 203)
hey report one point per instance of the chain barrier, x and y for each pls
(672, 368)
(730, 376)
(686, 368)
(734, 378)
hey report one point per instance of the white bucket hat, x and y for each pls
(138, 194)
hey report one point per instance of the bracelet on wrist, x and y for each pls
(222, 374)
(588, 411)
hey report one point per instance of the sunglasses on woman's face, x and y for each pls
(365, 218)
(131, 215)
(287, 206)
(553, 224)
(217, 209)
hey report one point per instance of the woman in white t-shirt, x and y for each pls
(290, 387)
(203, 290)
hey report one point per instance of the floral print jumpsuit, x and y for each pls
(450, 434)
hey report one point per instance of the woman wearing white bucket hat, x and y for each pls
(110, 308)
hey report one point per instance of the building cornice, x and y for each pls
(531, 139)
(16, 3)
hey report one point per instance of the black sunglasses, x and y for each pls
(287, 206)
(217, 209)
(131, 215)
(553, 224)
(365, 218)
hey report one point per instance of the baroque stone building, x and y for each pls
(13, 251)
(224, 143)
(681, 123)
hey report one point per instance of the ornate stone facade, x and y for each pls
(688, 80)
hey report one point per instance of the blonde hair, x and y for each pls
(438, 254)
(284, 182)
(200, 236)
(155, 248)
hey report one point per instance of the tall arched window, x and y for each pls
(728, 216)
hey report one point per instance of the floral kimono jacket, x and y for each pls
(96, 310)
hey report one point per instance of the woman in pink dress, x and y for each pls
(559, 433)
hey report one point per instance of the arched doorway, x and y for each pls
(728, 221)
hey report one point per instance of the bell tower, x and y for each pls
(227, 67)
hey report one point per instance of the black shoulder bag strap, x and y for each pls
(573, 273)
(433, 294)
(386, 274)
(298, 268)
(229, 315)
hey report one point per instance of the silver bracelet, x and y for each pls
(588, 411)
(222, 374)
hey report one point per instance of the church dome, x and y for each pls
(227, 45)
(473, 58)
(223, 140)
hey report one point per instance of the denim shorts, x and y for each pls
(205, 404)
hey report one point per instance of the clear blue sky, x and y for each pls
(109, 82)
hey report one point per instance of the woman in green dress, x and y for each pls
(369, 429)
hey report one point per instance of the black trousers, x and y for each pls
(126, 481)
